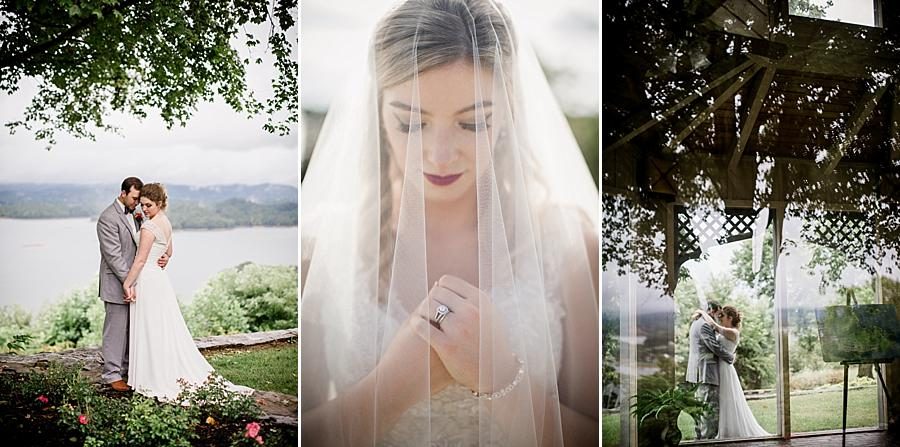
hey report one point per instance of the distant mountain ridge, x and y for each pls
(216, 206)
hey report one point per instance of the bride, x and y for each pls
(161, 351)
(449, 246)
(735, 418)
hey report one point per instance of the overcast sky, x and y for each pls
(216, 146)
(860, 12)
(564, 33)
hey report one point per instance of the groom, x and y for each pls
(703, 368)
(119, 234)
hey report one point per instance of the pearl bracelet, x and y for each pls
(506, 390)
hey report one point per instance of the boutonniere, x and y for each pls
(138, 217)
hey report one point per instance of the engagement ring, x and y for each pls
(441, 313)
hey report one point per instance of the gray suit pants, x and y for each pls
(115, 342)
(707, 426)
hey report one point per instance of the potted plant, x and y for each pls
(657, 411)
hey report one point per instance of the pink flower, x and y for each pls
(259, 440)
(82, 419)
(138, 216)
(253, 430)
(43, 399)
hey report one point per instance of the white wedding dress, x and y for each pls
(735, 418)
(161, 350)
(451, 416)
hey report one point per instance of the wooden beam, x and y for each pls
(762, 89)
(859, 116)
(895, 127)
(671, 110)
(705, 114)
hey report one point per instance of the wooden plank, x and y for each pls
(762, 90)
(671, 110)
(854, 124)
(895, 125)
(728, 22)
(704, 115)
(753, 17)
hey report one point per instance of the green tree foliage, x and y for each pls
(249, 297)
(232, 213)
(763, 280)
(246, 298)
(94, 57)
(809, 8)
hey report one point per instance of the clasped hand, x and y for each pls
(457, 343)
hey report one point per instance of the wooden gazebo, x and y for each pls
(744, 107)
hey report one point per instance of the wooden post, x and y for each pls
(782, 354)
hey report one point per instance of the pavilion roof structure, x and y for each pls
(742, 83)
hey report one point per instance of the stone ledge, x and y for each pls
(280, 408)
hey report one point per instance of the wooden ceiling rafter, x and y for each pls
(666, 114)
(705, 114)
(759, 97)
(854, 124)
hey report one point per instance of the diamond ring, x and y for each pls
(440, 313)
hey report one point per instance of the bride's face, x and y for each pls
(449, 128)
(149, 207)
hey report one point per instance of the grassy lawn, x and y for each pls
(270, 369)
(809, 412)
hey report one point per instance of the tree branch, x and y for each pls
(25, 56)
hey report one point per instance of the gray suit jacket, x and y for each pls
(118, 248)
(709, 352)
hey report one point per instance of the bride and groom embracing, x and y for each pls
(147, 346)
(714, 336)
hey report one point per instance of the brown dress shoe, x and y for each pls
(120, 385)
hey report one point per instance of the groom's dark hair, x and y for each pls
(132, 182)
(713, 306)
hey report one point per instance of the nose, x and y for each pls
(441, 151)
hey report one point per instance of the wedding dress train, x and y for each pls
(735, 418)
(161, 350)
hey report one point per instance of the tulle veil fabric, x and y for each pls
(365, 258)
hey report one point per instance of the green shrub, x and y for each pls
(16, 333)
(74, 321)
(246, 298)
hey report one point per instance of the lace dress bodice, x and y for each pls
(454, 411)
(160, 243)
(728, 345)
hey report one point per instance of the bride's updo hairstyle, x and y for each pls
(439, 32)
(157, 193)
(733, 313)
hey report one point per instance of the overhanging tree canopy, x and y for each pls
(94, 57)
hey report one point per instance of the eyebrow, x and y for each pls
(407, 107)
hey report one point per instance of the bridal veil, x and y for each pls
(365, 236)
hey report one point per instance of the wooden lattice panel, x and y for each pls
(848, 232)
(734, 224)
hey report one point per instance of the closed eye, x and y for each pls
(475, 127)
(408, 127)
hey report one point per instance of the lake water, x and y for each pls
(43, 259)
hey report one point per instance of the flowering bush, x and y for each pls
(62, 407)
